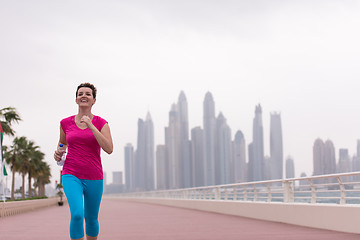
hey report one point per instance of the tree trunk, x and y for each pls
(23, 185)
(30, 192)
(13, 184)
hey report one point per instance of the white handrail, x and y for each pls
(332, 188)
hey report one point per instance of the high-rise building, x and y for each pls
(129, 157)
(185, 156)
(329, 158)
(267, 168)
(318, 157)
(104, 181)
(223, 160)
(256, 155)
(250, 165)
(356, 161)
(290, 167)
(172, 143)
(117, 177)
(276, 147)
(162, 174)
(344, 161)
(239, 156)
(209, 122)
(144, 165)
(198, 156)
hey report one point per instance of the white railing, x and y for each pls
(17, 207)
(341, 188)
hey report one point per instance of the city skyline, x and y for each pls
(183, 162)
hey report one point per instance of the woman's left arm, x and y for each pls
(103, 137)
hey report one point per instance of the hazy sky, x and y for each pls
(300, 58)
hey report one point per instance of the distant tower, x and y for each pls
(223, 160)
(172, 143)
(104, 181)
(144, 167)
(209, 134)
(330, 158)
(162, 174)
(117, 177)
(256, 160)
(290, 167)
(276, 147)
(185, 156)
(318, 157)
(356, 161)
(198, 156)
(239, 156)
(344, 161)
(129, 166)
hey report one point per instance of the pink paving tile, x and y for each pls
(136, 221)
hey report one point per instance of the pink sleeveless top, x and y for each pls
(83, 151)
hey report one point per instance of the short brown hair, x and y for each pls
(88, 85)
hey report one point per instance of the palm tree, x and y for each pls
(36, 158)
(8, 116)
(42, 178)
(13, 156)
(27, 161)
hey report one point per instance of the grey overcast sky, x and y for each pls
(300, 58)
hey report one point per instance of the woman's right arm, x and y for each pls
(62, 140)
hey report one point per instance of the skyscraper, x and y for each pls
(223, 160)
(329, 158)
(144, 166)
(318, 157)
(276, 147)
(172, 143)
(209, 122)
(162, 174)
(256, 149)
(129, 166)
(185, 156)
(290, 167)
(239, 156)
(198, 156)
(117, 177)
(344, 163)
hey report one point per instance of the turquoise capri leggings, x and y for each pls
(84, 197)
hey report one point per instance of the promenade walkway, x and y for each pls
(137, 221)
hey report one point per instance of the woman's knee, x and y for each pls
(92, 227)
(77, 216)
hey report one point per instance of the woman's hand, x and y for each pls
(57, 155)
(87, 120)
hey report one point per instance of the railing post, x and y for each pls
(288, 192)
(313, 191)
(185, 194)
(268, 192)
(235, 194)
(255, 193)
(217, 193)
(342, 191)
(245, 194)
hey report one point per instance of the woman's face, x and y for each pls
(85, 97)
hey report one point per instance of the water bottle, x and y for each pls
(62, 154)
